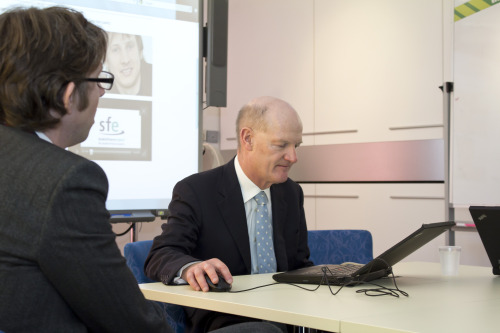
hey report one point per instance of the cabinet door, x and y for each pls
(378, 68)
(310, 205)
(270, 53)
(389, 211)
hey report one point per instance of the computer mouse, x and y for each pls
(222, 285)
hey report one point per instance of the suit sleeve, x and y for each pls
(79, 256)
(173, 248)
(303, 248)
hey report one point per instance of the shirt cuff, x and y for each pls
(178, 280)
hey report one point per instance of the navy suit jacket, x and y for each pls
(60, 267)
(207, 220)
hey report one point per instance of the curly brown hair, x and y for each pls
(41, 51)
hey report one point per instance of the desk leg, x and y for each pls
(133, 233)
(299, 329)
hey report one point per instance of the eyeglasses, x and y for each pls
(104, 80)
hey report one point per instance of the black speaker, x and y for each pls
(216, 53)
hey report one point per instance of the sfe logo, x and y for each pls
(109, 127)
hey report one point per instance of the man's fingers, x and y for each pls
(196, 274)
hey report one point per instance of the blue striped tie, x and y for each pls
(266, 260)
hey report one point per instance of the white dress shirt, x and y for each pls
(43, 136)
(249, 190)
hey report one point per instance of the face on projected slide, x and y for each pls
(124, 59)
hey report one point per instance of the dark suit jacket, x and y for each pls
(207, 220)
(60, 267)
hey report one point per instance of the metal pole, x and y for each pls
(449, 213)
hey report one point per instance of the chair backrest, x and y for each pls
(338, 246)
(136, 253)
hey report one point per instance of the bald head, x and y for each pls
(269, 130)
(259, 113)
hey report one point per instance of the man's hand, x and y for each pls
(195, 274)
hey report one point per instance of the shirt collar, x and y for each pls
(248, 188)
(42, 136)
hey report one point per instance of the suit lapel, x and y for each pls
(232, 209)
(279, 206)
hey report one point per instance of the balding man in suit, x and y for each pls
(211, 229)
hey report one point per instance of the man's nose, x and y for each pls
(291, 155)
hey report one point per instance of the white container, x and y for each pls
(450, 259)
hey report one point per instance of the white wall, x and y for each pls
(270, 52)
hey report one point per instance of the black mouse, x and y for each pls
(218, 287)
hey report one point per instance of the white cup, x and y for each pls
(450, 259)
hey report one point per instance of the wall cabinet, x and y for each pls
(378, 68)
(389, 211)
(270, 53)
(363, 71)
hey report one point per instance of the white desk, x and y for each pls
(469, 302)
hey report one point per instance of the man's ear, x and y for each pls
(68, 96)
(246, 138)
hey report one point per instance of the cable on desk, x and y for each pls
(273, 284)
(292, 284)
(380, 291)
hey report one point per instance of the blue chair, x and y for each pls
(136, 253)
(338, 246)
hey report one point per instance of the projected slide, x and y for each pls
(122, 129)
(125, 59)
(145, 135)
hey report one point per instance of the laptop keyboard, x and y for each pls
(336, 270)
(343, 274)
(343, 270)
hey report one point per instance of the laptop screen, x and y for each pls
(487, 221)
(410, 244)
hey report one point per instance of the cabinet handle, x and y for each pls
(395, 128)
(332, 132)
(332, 196)
(415, 197)
(315, 133)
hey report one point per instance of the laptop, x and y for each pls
(487, 221)
(381, 266)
